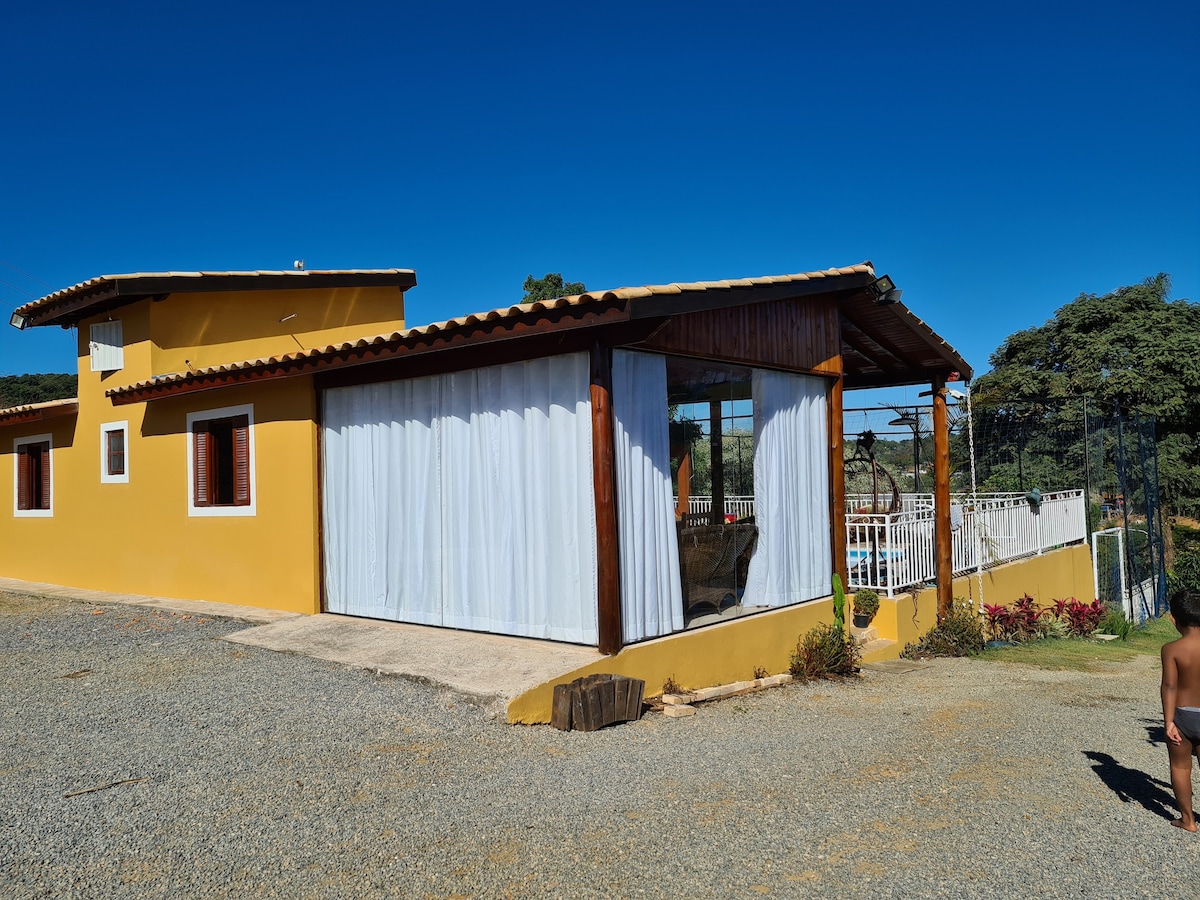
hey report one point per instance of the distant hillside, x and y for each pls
(18, 390)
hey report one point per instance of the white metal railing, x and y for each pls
(738, 506)
(890, 552)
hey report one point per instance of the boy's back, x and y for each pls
(1184, 655)
(1181, 700)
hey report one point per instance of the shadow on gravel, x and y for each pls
(1130, 785)
(1156, 734)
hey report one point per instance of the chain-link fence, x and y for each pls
(1030, 448)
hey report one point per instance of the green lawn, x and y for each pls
(1086, 655)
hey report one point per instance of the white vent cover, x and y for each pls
(107, 346)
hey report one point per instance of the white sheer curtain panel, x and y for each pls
(465, 500)
(651, 596)
(519, 522)
(381, 502)
(793, 559)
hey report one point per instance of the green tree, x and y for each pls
(20, 390)
(550, 287)
(1134, 347)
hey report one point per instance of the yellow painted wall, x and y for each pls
(212, 329)
(717, 654)
(138, 537)
(730, 651)
(196, 331)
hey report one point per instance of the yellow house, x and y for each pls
(524, 471)
(104, 496)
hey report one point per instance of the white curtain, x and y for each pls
(465, 500)
(381, 503)
(651, 597)
(792, 560)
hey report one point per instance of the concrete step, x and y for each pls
(880, 649)
(865, 635)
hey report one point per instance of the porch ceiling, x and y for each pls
(881, 345)
(888, 345)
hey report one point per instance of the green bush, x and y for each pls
(866, 603)
(826, 651)
(959, 634)
(1185, 574)
(1114, 622)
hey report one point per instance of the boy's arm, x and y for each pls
(1170, 681)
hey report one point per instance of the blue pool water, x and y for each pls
(854, 557)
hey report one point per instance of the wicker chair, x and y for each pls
(712, 563)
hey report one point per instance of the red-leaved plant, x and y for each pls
(1024, 619)
(1084, 618)
(999, 621)
(1027, 615)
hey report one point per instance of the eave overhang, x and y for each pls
(36, 412)
(881, 345)
(70, 305)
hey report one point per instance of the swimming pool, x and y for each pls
(856, 556)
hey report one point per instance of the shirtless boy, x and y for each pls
(1181, 700)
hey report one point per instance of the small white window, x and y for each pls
(33, 484)
(107, 346)
(220, 462)
(114, 453)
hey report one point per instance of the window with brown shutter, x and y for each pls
(221, 461)
(33, 475)
(114, 453)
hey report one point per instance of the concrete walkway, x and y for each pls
(486, 669)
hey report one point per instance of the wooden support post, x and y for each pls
(716, 456)
(837, 482)
(608, 593)
(943, 552)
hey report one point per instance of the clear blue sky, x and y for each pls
(995, 163)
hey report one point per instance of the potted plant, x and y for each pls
(866, 605)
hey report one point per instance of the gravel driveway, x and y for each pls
(249, 773)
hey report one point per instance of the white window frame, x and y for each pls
(17, 444)
(225, 412)
(107, 477)
(106, 345)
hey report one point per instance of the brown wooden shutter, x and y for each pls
(201, 465)
(23, 478)
(116, 452)
(241, 461)
(45, 485)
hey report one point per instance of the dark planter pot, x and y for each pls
(861, 621)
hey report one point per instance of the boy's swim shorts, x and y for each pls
(1187, 720)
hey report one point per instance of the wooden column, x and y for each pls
(716, 458)
(941, 500)
(608, 595)
(837, 482)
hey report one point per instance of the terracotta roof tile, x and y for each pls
(505, 312)
(32, 412)
(105, 288)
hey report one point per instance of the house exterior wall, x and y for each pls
(196, 331)
(212, 329)
(139, 536)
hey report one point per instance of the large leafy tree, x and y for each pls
(1135, 348)
(19, 390)
(550, 287)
